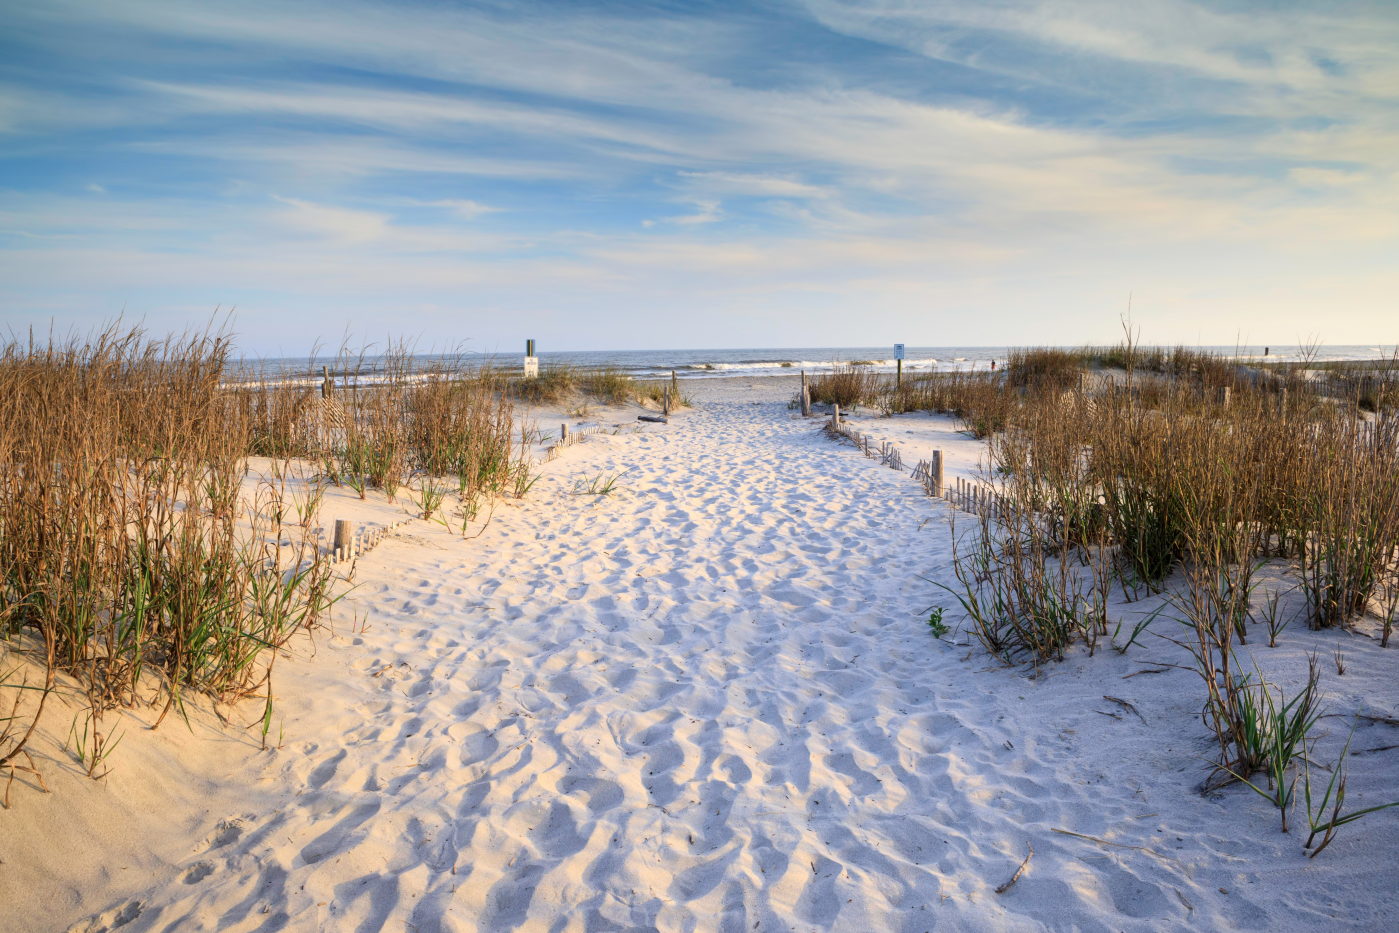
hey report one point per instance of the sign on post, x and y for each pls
(899, 358)
(898, 351)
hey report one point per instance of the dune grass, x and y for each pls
(1164, 487)
(138, 566)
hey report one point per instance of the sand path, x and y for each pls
(706, 702)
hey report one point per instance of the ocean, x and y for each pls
(753, 363)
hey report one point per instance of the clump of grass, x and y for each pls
(560, 382)
(555, 382)
(608, 384)
(1046, 367)
(1277, 731)
(655, 393)
(1027, 589)
(1317, 819)
(604, 484)
(126, 547)
(848, 385)
(133, 556)
(459, 421)
(1349, 502)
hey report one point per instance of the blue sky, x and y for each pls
(625, 175)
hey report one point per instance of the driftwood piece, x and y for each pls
(1016, 877)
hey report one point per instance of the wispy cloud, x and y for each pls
(930, 164)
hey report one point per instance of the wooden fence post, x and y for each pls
(563, 433)
(835, 417)
(937, 473)
(344, 534)
(665, 401)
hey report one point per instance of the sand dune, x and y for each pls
(710, 702)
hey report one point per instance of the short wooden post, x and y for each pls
(1224, 396)
(325, 382)
(937, 473)
(1282, 402)
(1082, 382)
(806, 401)
(835, 417)
(665, 401)
(563, 434)
(344, 531)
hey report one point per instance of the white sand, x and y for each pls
(707, 702)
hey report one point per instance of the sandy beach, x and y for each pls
(707, 701)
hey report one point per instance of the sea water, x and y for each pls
(754, 363)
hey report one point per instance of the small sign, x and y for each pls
(531, 367)
(898, 351)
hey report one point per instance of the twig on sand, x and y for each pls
(1016, 877)
(1118, 845)
(1188, 905)
(1127, 706)
(1366, 751)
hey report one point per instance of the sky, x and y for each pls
(697, 175)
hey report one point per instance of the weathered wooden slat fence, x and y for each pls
(570, 436)
(349, 544)
(973, 498)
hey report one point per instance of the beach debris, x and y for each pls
(1016, 877)
(1125, 705)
